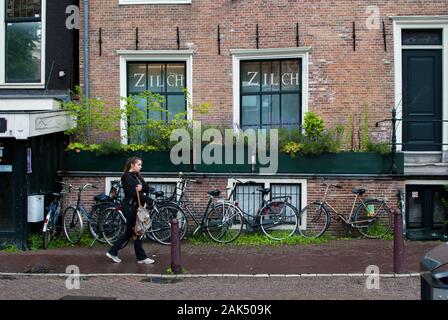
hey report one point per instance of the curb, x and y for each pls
(149, 275)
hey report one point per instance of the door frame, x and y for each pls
(420, 22)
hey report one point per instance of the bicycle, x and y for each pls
(372, 217)
(113, 220)
(53, 224)
(217, 220)
(276, 217)
(72, 218)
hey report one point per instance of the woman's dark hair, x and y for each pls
(130, 162)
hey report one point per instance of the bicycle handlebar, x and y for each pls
(87, 185)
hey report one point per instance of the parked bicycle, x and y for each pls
(53, 223)
(217, 221)
(73, 222)
(372, 217)
(276, 217)
(112, 217)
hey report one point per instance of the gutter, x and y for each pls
(86, 48)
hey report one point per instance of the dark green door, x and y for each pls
(422, 100)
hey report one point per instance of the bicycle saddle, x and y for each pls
(159, 194)
(57, 195)
(264, 190)
(358, 191)
(214, 193)
(102, 198)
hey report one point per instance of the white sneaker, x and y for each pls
(146, 261)
(114, 258)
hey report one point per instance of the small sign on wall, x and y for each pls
(414, 194)
(29, 168)
(6, 168)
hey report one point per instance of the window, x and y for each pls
(249, 198)
(23, 35)
(421, 37)
(167, 187)
(270, 94)
(166, 79)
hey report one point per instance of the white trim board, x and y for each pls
(149, 56)
(239, 55)
(420, 22)
(426, 182)
(129, 2)
(41, 84)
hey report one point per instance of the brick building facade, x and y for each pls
(348, 53)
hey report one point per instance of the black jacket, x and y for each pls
(129, 181)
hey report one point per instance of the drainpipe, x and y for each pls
(86, 48)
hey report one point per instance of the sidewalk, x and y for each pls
(339, 256)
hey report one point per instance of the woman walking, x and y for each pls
(132, 182)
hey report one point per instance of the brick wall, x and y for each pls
(340, 80)
(342, 199)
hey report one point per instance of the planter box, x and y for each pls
(153, 161)
(159, 161)
(340, 163)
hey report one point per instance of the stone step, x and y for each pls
(431, 169)
(422, 158)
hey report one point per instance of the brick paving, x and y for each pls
(143, 288)
(340, 256)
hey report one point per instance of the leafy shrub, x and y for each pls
(109, 147)
(313, 125)
(382, 148)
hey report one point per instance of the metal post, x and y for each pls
(175, 247)
(398, 242)
(394, 169)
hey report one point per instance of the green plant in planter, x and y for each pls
(313, 125)
(109, 147)
(78, 147)
(383, 148)
(156, 129)
(91, 116)
(365, 136)
(292, 148)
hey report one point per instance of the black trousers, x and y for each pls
(129, 212)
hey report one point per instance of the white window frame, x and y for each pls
(3, 83)
(108, 181)
(127, 2)
(239, 55)
(153, 56)
(420, 22)
(267, 184)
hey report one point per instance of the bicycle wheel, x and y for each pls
(94, 228)
(278, 220)
(161, 217)
(224, 222)
(114, 225)
(373, 218)
(314, 220)
(73, 225)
